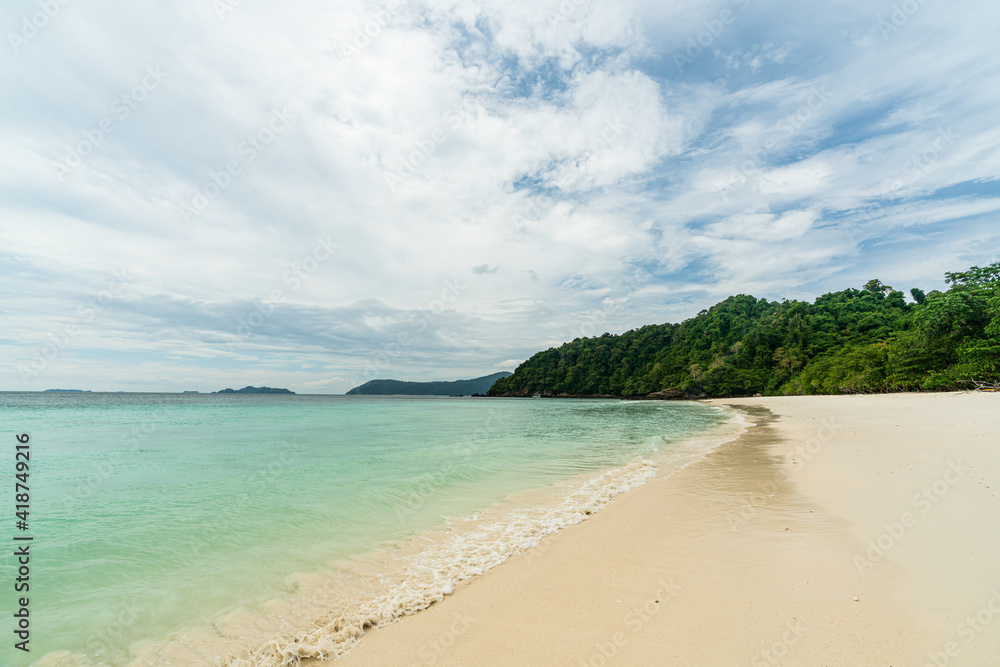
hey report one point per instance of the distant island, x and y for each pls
(71, 391)
(253, 390)
(191, 392)
(456, 388)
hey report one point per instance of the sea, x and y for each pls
(222, 529)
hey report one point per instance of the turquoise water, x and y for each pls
(157, 512)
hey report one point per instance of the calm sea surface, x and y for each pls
(152, 513)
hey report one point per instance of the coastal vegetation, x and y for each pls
(872, 339)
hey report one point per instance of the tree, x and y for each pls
(877, 287)
(849, 341)
(975, 277)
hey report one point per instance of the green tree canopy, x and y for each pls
(867, 340)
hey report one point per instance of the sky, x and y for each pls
(215, 193)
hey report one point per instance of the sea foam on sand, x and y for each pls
(329, 612)
(758, 544)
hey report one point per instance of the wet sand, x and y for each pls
(845, 530)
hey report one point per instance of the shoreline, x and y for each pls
(548, 511)
(329, 610)
(764, 552)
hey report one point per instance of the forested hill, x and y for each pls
(857, 340)
(454, 388)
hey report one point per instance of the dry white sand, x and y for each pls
(846, 530)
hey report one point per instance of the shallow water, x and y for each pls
(220, 520)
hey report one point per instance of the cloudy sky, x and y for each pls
(210, 193)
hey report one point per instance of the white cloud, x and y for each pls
(563, 154)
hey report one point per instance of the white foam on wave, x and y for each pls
(327, 613)
(470, 547)
(474, 545)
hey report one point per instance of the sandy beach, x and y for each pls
(840, 530)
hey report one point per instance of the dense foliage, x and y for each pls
(867, 340)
